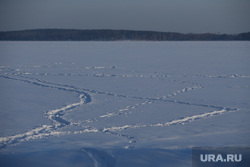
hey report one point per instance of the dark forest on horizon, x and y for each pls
(114, 35)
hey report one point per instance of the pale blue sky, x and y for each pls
(185, 16)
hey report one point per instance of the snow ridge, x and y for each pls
(180, 121)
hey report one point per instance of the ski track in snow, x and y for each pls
(99, 158)
(56, 116)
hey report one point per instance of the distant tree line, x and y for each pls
(113, 35)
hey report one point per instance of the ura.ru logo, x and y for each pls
(220, 158)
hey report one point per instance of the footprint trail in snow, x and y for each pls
(40, 76)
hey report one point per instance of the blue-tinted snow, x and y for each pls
(121, 103)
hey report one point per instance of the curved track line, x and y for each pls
(54, 115)
(45, 130)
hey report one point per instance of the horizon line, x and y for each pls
(103, 29)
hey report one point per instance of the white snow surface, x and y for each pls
(97, 97)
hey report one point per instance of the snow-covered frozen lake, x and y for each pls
(121, 103)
